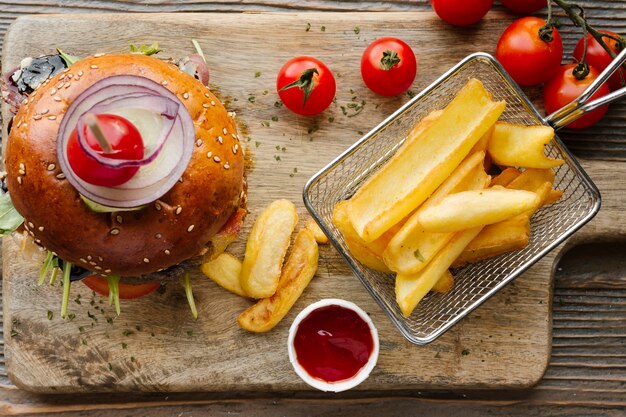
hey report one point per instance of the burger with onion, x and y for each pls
(120, 167)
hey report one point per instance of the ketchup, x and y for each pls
(333, 343)
(125, 141)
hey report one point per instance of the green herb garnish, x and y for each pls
(198, 49)
(67, 266)
(128, 333)
(357, 30)
(257, 74)
(45, 268)
(145, 49)
(418, 255)
(189, 294)
(114, 292)
(68, 59)
(10, 219)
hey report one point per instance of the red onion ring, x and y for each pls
(195, 66)
(10, 94)
(167, 157)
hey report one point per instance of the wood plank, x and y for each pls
(53, 355)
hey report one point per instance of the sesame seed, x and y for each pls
(100, 258)
(21, 172)
(51, 167)
(89, 257)
(225, 131)
(56, 98)
(146, 260)
(235, 150)
(226, 166)
(220, 140)
(22, 166)
(108, 271)
(212, 103)
(37, 240)
(207, 95)
(19, 124)
(40, 228)
(206, 106)
(80, 73)
(67, 84)
(216, 158)
(233, 135)
(115, 231)
(98, 55)
(190, 228)
(94, 67)
(37, 117)
(83, 260)
(61, 176)
(119, 219)
(19, 180)
(178, 209)
(62, 77)
(66, 70)
(158, 236)
(98, 268)
(92, 263)
(30, 232)
(44, 111)
(157, 206)
(180, 180)
(209, 154)
(60, 84)
(199, 142)
(163, 82)
(186, 96)
(25, 124)
(52, 117)
(53, 91)
(70, 76)
(166, 251)
(31, 225)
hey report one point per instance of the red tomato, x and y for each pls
(524, 6)
(127, 291)
(388, 66)
(527, 58)
(564, 87)
(125, 141)
(461, 12)
(598, 58)
(305, 85)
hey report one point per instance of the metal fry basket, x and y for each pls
(474, 284)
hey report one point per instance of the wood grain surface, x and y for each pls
(587, 370)
(509, 347)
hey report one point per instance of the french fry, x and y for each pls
(532, 179)
(410, 289)
(553, 197)
(409, 177)
(369, 254)
(496, 239)
(314, 228)
(483, 142)
(474, 208)
(521, 146)
(445, 283)
(412, 247)
(296, 274)
(224, 271)
(266, 248)
(505, 177)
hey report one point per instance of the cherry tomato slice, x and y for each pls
(125, 141)
(388, 66)
(306, 85)
(127, 291)
(564, 87)
(526, 57)
(461, 12)
(598, 58)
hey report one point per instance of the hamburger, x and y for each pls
(123, 166)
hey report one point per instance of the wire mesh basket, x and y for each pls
(474, 284)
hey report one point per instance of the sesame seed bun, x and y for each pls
(168, 231)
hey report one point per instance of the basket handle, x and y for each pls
(579, 106)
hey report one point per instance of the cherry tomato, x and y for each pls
(127, 291)
(524, 6)
(527, 58)
(461, 12)
(306, 86)
(388, 66)
(598, 58)
(125, 141)
(564, 87)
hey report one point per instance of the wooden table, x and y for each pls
(587, 371)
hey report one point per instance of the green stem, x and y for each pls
(53, 276)
(114, 292)
(67, 267)
(189, 294)
(45, 268)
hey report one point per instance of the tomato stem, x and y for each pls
(305, 83)
(92, 122)
(389, 60)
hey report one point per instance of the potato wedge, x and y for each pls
(412, 247)
(266, 248)
(314, 228)
(496, 239)
(224, 271)
(474, 208)
(369, 254)
(521, 146)
(409, 177)
(553, 197)
(505, 177)
(298, 271)
(444, 283)
(410, 289)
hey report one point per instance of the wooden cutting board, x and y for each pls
(155, 345)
